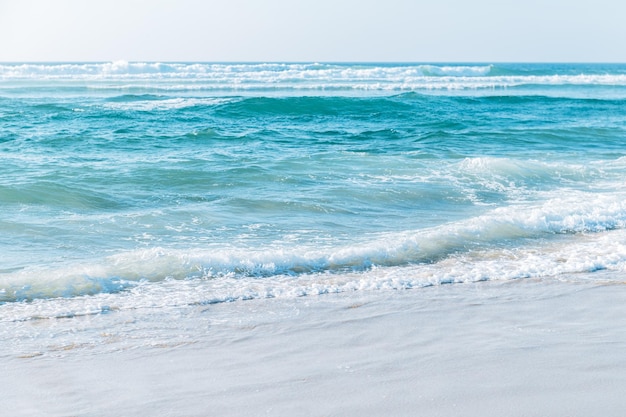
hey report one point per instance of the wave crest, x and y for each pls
(298, 78)
(574, 214)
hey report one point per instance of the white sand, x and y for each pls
(520, 348)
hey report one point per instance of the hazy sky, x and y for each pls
(313, 30)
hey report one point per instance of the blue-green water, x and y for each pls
(127, 184)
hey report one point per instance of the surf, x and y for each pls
(504, 229)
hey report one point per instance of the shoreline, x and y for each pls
(516, 348)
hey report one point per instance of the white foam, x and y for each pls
(567, 260)
(457, 70)
(507, 174)
(165, 104)
(498, 233)
(295, 77)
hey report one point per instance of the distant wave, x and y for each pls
(163, 104)
(213, 77)
(216, 71)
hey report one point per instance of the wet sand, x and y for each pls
(521, 348)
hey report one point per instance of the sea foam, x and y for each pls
(577, 213)
(312, 78)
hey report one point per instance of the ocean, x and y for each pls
(129, 185)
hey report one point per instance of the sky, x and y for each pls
(313, 30)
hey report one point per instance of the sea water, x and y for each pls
(131, 185)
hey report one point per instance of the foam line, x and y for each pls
(504, 228)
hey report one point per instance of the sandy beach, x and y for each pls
(521, 348)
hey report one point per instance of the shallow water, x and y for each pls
(160, 184)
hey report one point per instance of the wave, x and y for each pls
(216, 71)
(498, 232)
(402, 106)
(507, 174)
(581, 259)
(146, 77)
(163, 104)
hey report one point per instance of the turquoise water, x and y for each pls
(129, 184)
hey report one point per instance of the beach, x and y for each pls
(521, 348)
